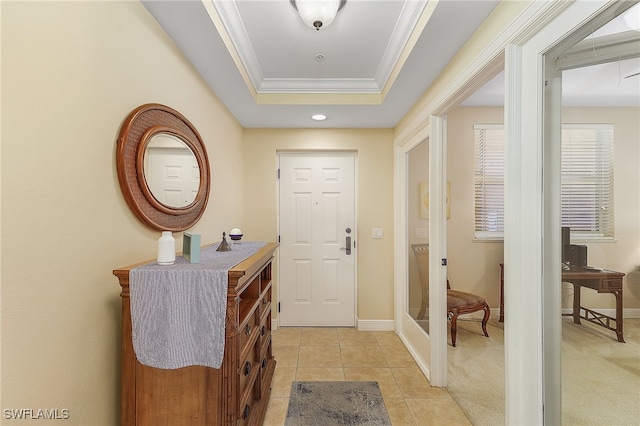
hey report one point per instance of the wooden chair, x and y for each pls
(458, 302)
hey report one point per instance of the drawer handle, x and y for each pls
(247, 368)
(264, 301)
(264, 362)
(245, 413)
(247, 329)
(263, 330)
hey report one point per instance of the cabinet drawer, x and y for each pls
(248, 328)
(247, 368)
(267, 367)
(265, 301)
(610, 284)
(265, 331)
(248, 406)
(265, 355)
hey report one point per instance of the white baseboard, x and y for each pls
(389, 325)
(626, 313)
(376, 325)
(631, 313)
(363, 325)
(495, 313)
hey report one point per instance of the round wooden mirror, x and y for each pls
(163, 168)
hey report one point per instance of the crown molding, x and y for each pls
(319, 85)
(248, 64)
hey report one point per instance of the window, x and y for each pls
(587, 180)
(489, 181)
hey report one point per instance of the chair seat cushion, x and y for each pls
(459, 299)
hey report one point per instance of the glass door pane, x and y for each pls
(417, 305)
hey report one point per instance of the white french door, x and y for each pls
(317, 239)
(427, 345)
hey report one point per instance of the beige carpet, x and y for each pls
(600, 377)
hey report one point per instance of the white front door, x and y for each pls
(317, 239)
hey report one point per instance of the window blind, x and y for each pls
(489, 181)
(587, 179)
(586, 183)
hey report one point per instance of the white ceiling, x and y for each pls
(377, 57)
(609, 84)
(603, 85)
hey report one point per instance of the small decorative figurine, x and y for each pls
(224, 245)
(235, 234)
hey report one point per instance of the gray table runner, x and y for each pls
(178, 311)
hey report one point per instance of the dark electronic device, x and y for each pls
(577, 256)
(566, 242)
(574, 256)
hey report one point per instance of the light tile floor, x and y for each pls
(310, 354)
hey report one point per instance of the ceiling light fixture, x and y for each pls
(318, 13)
(319, 117)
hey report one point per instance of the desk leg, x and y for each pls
(576, 303)
(424, 301)
(501, 319)
(618, 295)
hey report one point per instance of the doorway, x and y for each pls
(421, 318)
(587, 141)
(317, 233)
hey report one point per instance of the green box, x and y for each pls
(191, 247)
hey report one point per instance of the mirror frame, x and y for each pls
(136, 132)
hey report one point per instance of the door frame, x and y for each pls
(276, 323)
(532, 231)
(438, 249)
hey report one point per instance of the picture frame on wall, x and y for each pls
(424, 200)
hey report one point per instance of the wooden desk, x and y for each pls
(603, 281)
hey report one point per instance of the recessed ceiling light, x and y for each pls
(318, 117)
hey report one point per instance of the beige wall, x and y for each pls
(374, 149)
(491, 29)
(473, 266)
(71, 72)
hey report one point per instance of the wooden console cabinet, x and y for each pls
(235, 394)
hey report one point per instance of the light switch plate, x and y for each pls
(377, 233)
